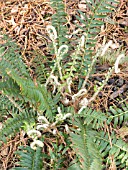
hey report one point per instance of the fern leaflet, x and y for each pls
(29, 159)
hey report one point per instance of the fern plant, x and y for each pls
(26, 93)
(53, 100)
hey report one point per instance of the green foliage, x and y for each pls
(118, 115)
(57, 155)
(59, 21)
(23, 100)
(29, 159)
(91, 25)
(9, 105)
(84, 146)
(15, 76)
(8, 86)
(10, 58)
(112, 146)
(15, 123)
(96, 119)
(106, 145)
(36, 95)
(40, 68)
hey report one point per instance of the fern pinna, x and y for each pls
(88, 156)
(59, 21)
(10, 58)
(15, 124)
(29, 159)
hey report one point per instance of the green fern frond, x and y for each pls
(41, 68)
(29, 159)
(38, 96)
(96, 119)
(113, 146)
(74, 166)
(7, 87)
(9, 105)
(59, 21)
(10, 58)
(91, 25)
(14, 124)
(117, 115)
(5, 104)
(84, 146)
